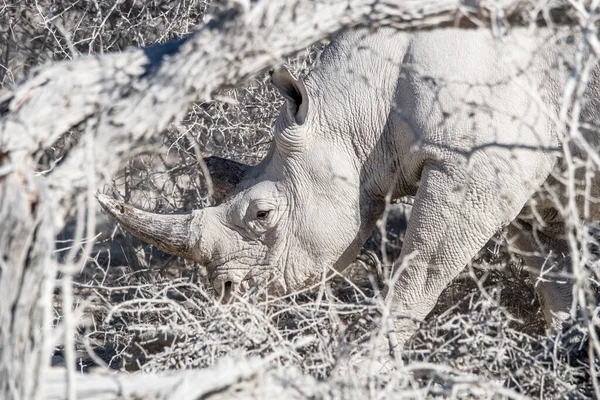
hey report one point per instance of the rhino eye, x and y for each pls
(262, 215)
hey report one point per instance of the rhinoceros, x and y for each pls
(466, 122)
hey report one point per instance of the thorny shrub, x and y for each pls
(144, 310)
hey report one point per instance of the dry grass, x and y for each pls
(471, 339)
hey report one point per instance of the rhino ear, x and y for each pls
(293, 91)
(225, 175)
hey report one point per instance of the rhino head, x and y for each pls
(280, 224)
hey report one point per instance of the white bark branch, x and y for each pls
(182, 385)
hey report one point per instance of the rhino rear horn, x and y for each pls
(225, 175)
(294, 92)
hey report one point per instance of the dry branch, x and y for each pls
(123, 100)
(203, 384)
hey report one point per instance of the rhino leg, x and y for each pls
(458, 207)
(546, 256)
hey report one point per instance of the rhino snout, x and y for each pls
(226, 285)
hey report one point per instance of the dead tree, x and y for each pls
(120, 101)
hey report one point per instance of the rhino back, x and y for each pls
(402, 98)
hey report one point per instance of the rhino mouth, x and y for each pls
(239, 280)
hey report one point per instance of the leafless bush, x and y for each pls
(144, 310)
(471, 341)
(34, 32)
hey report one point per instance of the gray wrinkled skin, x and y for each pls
(460, 120)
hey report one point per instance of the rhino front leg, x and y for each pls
(458, 207)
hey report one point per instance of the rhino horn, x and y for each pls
(225, 175)
(172, 233)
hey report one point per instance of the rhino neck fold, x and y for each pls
(362, 117)
(172, 233)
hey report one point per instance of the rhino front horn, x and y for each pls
(172, 233)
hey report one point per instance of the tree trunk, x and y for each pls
(27, 272)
